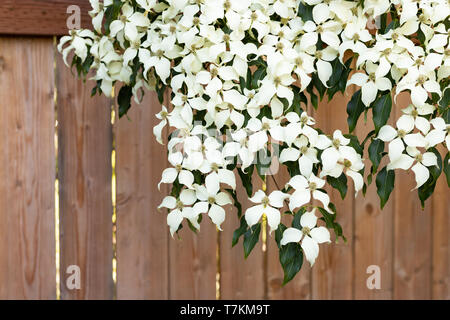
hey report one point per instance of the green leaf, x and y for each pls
(376, 149)
(258, 75)
(237, 204)
(291, 259)
(447, 168)
(247, 179)
(237, 234)
(339, 184)
(394, 24)
(251, 237)
(382, 110)
(385, 184)
(321, 89)
(279, 234)
(427, 189)
(446, 116)
(330, 221)
(354, 110)
(335, 77)
(297, 216)
(354, 143)
(313, 97)
(111, 14)
(305, 11)
(124, 100)
(445, 101)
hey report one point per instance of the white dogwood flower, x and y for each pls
(372, 82)
(212, 200)
(266, 205)
(304, 189)
(169, 175)
(180, 209)
(128, 23)
(311, 234)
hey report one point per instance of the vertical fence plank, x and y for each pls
(84, 172)
(241, 278)
(332, 274)
(193, 263)
(373, 231)
(142, 234)
(412, 233)
(441, 241)
(27, 173)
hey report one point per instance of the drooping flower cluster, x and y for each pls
(238, 72)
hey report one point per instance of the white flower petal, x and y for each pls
(217, 215)
(168, 176)
(415, 140)
(299, 198)
(223, 199)
(422, 174)
(186, 177)
(311, 249)
(253, 214)
(322, 197)
(429, 159)
(298, 182)
(289, 154)
(212, 183)
(405, 123)
(308, 219)
(228, 177)
(320, 234)
(258, 196)
(276, 198)
(369, 92)
(396, 148)
(168, 202)
(174, 220)
(291, 235)
(387, 133)
(401, 162)
(273, 218)
(187, 196)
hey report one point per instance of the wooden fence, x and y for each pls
(52, 130)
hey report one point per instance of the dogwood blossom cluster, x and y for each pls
(238, 72)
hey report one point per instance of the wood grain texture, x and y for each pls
(241, 278)
(193, 263)
(441, 240)
(332, 274)
(412, 233)
(84, 172)
(374, 229)
(142, 233)
(40, 17)
(27, 173)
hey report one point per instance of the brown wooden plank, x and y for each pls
(373, 231)
(27, 174)
(84, 172)
(332, 274)
(40, 17)
(298, 288)
(441, 241)
(412, 234)
(193, 263)
(241, 278)
(142, 234)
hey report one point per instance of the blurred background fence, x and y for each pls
(78, 187)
